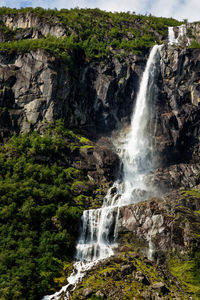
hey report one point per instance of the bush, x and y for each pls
(93, 32)
(39, 212)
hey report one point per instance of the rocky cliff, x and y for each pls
(36, 88)
(178, 115)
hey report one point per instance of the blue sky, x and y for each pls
(179, 9)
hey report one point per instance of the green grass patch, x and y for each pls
(188, 272)
(192, 192)
(194, 45)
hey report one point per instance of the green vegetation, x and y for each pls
(192, 192)
(186, 267)
(58, 47)
(113, 283)
(94, 32)
(6, 31)
(194, 44)
(187, 270)
(40, 205)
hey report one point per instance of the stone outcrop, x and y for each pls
(128, 275)
(178, 125)
(101, 161)
(193, 31)
(33, 21)
(171, 222)
(37, 88)
(183, 175)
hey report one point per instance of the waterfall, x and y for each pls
(171, 36)
(99, 226)
(181, 37)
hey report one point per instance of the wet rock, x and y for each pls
(113, 190)
(100, 161)
(37, 88)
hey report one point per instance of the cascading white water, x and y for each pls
(171, 36)
(99, 226)
(136, 152)
(181, 37)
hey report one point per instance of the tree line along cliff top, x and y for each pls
(96, 33)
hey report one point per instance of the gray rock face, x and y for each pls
(26, 85)
(178, 113)
(170, 222)
(94, 96)
(183, 175)
(29, 20)
(36, 88)
(193, 31)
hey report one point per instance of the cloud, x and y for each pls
(189, 10)
(168, 10)
(179, 9)
(124, 5)
(2, 3)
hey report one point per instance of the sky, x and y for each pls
(178, 9)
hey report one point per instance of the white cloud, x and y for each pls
(124, 5)
(2, 3)
(165, 8)
(189, 10)
(179, 9)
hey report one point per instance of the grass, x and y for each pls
(192, 192)
(188, 272)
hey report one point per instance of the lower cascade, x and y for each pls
(98, 236)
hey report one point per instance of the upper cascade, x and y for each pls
(178, 35)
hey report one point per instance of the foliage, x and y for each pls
(96, 33)
(187, 270)
(194, 44)
(39, 212)
(58, 47)
(6, 31)
(113, 283)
